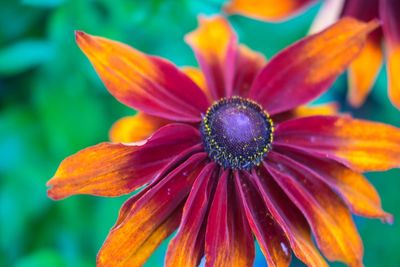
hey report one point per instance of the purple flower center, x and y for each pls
(237, 133)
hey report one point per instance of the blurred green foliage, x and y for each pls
(52, 104)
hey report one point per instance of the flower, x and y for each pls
(363, 70)
(233, 152)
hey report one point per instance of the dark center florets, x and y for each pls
(237, 133)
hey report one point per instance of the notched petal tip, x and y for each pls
(387, 218)
(80, 36)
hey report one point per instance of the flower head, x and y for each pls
(364, 69)
(232, 152)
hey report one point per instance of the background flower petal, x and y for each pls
(135, 128)
(228, 237)
(389, 13)
(329, 218)
(187, 247)
(289, 218)
(361, 145)
(215, 45)
(147, 83)
(269, 234)
(115, 169)
(328, 14)
(353, 187)
(303, 71)
(126, 242)
(268, 10)
(364, 69)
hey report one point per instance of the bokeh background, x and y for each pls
(52, 104)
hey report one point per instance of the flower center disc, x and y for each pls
(237, 133)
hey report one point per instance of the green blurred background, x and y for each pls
(52, 104)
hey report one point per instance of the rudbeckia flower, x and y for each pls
(230, 153)
(363, 70)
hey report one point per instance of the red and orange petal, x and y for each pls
(389, 12)
(328, 216)
(289, 218)
(311, 64)
(115, 169)
(346, 140)
(147, 214)
(268, 10)
(135, 128)
(358, 193)
(215, 45)
(147, 83)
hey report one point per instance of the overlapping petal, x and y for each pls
(198, 77)
(289, 218)
(228, 237)
(389, 11)
(114, 169)
(331, 108)
(268, 10)
(329, 218)
(306, 69)
(126, 242)
(361, 145)
(269, 234)
(187, 247)
(353, 187)
(135, 128)
(215, 45)
(147, 83)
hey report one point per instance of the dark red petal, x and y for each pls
(171, 166)
(289, 218)
(389, 12)
(187, 247)
(361, 145)
(269, 234)
(364, 10)
(303, 71)
(125, 243)
(353, 187)
(149, 84)
(249, 63)
(228, 237)
(330, 220)
(115, 169)
(215, 45)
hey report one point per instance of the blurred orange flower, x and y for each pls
(363, 71)
(232, 152)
